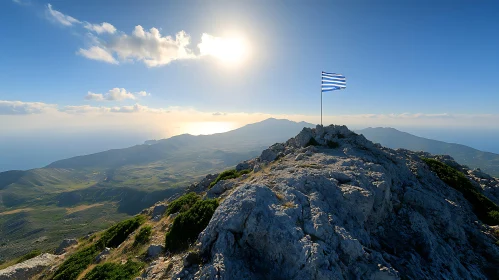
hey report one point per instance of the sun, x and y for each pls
(229, 50)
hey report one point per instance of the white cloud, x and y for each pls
(22, 117)
(24, 108)
(115, 94)
(100, 28)
(98, 53)
(94, 96)
(151, 47)
(84, 109)
(148, 46)
(60, 17)
(143, 93)
(119, 94)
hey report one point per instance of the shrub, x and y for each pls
(485, 209)
(143, 236)
(182, 203)
(114, 236)
(229, 174)
(332, 144)
(76, 263)
(30, 255)
(115, 271)
(188, 225)
(312, 142)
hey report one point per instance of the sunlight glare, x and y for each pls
(230, 50)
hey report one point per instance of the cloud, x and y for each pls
(24, 108)
(17, 117)
(21, 2)
(60, 17)
(219, 114)
(84, 109)
(98, 53)
(100, 28)
(115, 94)
(143, 93)
(151, 47)
(94, 96)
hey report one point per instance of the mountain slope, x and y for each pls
(392, 138)
(118, 183)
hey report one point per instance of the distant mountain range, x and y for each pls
(392, 138)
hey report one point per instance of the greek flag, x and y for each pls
(332, 81)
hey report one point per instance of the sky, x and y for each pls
(137, 70)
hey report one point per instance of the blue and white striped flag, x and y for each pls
(332, 81)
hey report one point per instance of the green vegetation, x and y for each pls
(188, 225)
(312, 142)
(116, 234)
(329, 143)
(485, 209)
(112, 237)
(115, 271)
(229, 174)
(30, 255)
(143, 236)
(332, 144)
(76, 263)
(182, 203)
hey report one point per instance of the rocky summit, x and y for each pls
(329, 204)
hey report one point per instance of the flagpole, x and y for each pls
(321, 98)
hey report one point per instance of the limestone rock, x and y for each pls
(343, 210)
(29, 268)
(159, 210)
(66, 243)
(102, 255)
(154, 250)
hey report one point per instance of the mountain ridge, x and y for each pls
(393, 138)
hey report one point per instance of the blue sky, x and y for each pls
(159, 68)
(398, 56)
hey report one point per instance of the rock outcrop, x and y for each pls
(29, 268)
(102, 255)
(329, 204)
(154, 251)
(66, 243)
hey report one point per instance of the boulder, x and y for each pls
(102, 255)
(159, 210)
(66, 243)
(154, 251)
